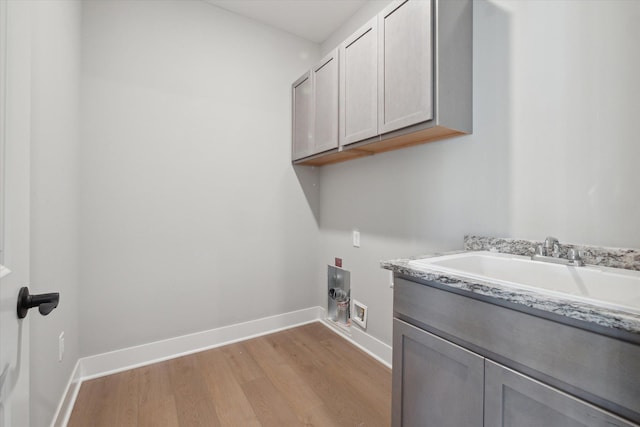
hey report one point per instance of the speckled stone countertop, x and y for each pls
(567, 307)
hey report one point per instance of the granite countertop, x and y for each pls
(564, 306)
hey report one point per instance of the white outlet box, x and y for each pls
(61, 346)
(356, 238)
(359, 313)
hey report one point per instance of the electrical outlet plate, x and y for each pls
(356, 238)
(61, 346)
(359, 313)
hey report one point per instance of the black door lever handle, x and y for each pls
(45, 302)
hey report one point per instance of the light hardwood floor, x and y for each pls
(306, 376)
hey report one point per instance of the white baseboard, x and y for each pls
(133, 357)
(365, 342)
(63, 412)
(146, 354)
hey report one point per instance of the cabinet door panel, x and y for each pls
(435, 383)
(405, 65)
(359, 85)
(302, 114)
(325, 111)
(514, 400)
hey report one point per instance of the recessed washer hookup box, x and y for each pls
(338, 294)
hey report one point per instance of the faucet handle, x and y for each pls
(574, 257)
(551, 247)
(573, 254)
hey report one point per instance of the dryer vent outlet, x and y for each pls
(359, 314)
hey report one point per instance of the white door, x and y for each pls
(14, 209)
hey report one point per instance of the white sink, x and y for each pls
(610, 287)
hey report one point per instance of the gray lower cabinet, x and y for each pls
(440, 384)
(515, 400)
(437, 384)
(463, 362)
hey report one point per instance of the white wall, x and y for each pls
(54, 198)
(574, 141)
(554, 149)
(191, 214)
(369, 9)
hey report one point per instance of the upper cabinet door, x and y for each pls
(359, 85)
(302, 115)
(325, 104)
(405, 46)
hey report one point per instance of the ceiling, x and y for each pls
(314, 20)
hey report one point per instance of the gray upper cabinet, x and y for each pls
(405, 78)
(325, 104)
(359, 85)
(302, 90)
(405, 64)
(514, 400)
(315, 109)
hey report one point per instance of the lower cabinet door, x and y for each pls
(435, 383)
(515, 400)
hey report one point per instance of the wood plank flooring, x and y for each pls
(306, 376)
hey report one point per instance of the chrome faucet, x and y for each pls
(549, 251)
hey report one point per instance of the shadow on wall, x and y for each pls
(441, 190)
(308, 177)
